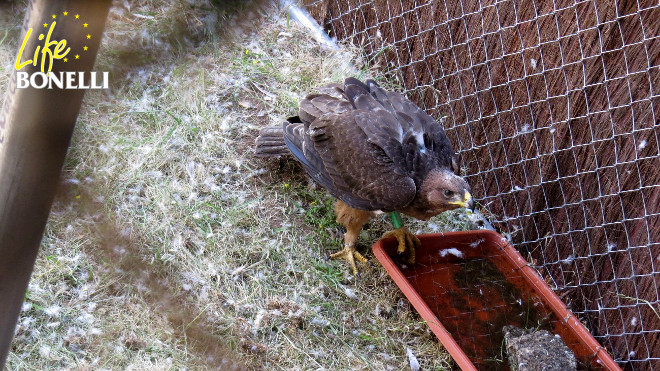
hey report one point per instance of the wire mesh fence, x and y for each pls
(554, 108)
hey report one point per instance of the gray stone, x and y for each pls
(537, 351)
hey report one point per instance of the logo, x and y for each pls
(49, 51)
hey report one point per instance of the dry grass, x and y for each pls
(170, 246)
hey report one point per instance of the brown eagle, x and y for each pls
(374, 150)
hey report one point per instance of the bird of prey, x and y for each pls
(374, 150)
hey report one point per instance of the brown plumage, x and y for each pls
(374, 150)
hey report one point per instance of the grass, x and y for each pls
(170, 246)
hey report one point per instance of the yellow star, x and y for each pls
(66, 13)
(54, 16)
(77, 56)
(77, 16)
(84, 24)
(45, 24)
(66, 60)
(89, 36)
(84, 48)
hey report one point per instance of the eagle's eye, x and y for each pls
(448, 193)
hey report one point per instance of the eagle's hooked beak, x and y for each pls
(466, 202)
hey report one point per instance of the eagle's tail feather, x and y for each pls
(270, 142)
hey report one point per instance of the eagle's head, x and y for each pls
(441, 190)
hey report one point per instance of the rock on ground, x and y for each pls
(537, 350)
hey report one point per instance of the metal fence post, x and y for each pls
(35, 131)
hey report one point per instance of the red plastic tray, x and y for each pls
(468, 285)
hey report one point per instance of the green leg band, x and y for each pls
(397, 222)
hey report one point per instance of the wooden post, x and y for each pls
(35, 131)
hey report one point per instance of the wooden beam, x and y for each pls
(35, 131)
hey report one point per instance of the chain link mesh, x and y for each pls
(553, 107)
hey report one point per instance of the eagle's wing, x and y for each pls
(369, 147)
(410, 137)
(336, 154)
(361, 171)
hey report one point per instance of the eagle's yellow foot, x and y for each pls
(407, 241)
(350, 255)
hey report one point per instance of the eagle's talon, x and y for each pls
(407, 242)
(350, 255)
(360, 257)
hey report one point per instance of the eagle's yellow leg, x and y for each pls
(353, 220)
(407, 241)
